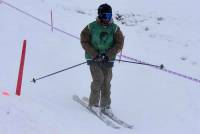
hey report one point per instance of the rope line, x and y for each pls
(124, 56)
(165, 70)
(42, 21)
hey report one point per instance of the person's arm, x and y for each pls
(118, 44)
(85, 42)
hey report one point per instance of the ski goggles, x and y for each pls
(106, 16)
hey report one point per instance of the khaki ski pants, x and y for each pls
(100, 86)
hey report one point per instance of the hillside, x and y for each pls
(155, 101)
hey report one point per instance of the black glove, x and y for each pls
(101, 58)
(105, 58)
(97, 58)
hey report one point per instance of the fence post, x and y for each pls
(51, 20)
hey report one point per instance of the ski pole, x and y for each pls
(36, 79)
(141, 63)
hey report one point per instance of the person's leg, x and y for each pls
(105, 90)
(96, 84)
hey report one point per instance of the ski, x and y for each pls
(117, 120)
(102, 117)
(113, 117)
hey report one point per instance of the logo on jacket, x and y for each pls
(103, 37)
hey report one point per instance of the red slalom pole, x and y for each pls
(21, 68)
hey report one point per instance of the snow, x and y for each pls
(156, 102)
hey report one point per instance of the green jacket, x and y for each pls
(97, 39)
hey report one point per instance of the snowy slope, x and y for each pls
(154, 101)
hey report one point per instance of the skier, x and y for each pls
(101, 40)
